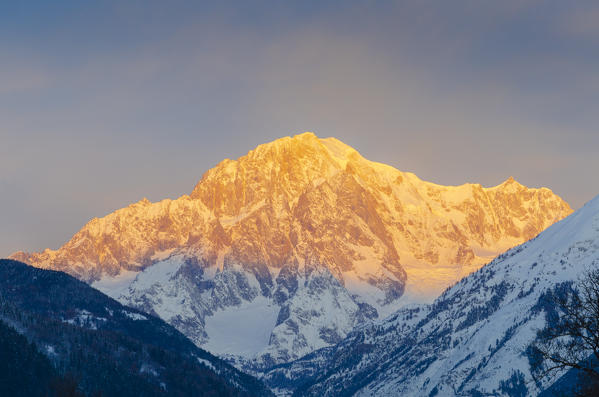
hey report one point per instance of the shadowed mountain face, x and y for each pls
(104, 346)
(298, 223)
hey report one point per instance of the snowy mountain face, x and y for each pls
(302, 239)
(473, 340)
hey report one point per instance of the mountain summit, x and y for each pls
(304, 231)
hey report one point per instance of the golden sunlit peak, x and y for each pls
(510, 184)
(143, 202)
(306, 135)
(298, 139)
(510, 180)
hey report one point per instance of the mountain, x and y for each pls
(21, 362)
(473, 340)
(300, 240)
(54, 328)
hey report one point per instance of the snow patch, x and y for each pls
(85, 319)
(134, 316)
(242, 330)
(158, 272)
(50, 351)
(117, 285)
(207, 363)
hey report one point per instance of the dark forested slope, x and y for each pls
(56, 330)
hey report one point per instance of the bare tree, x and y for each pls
(570, 339)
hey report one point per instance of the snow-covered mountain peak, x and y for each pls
(279, 170)
(285, 217)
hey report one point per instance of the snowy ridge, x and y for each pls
(472, 339)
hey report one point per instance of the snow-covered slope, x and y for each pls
(471, 341)
(304, 233)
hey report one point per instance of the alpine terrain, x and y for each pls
(474, 340)
(288, 248)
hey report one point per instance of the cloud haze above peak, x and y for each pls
(105, 103)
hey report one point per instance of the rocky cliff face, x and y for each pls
(305, 231)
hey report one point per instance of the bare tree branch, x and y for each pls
(570, 340)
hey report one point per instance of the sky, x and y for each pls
(103, 103)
